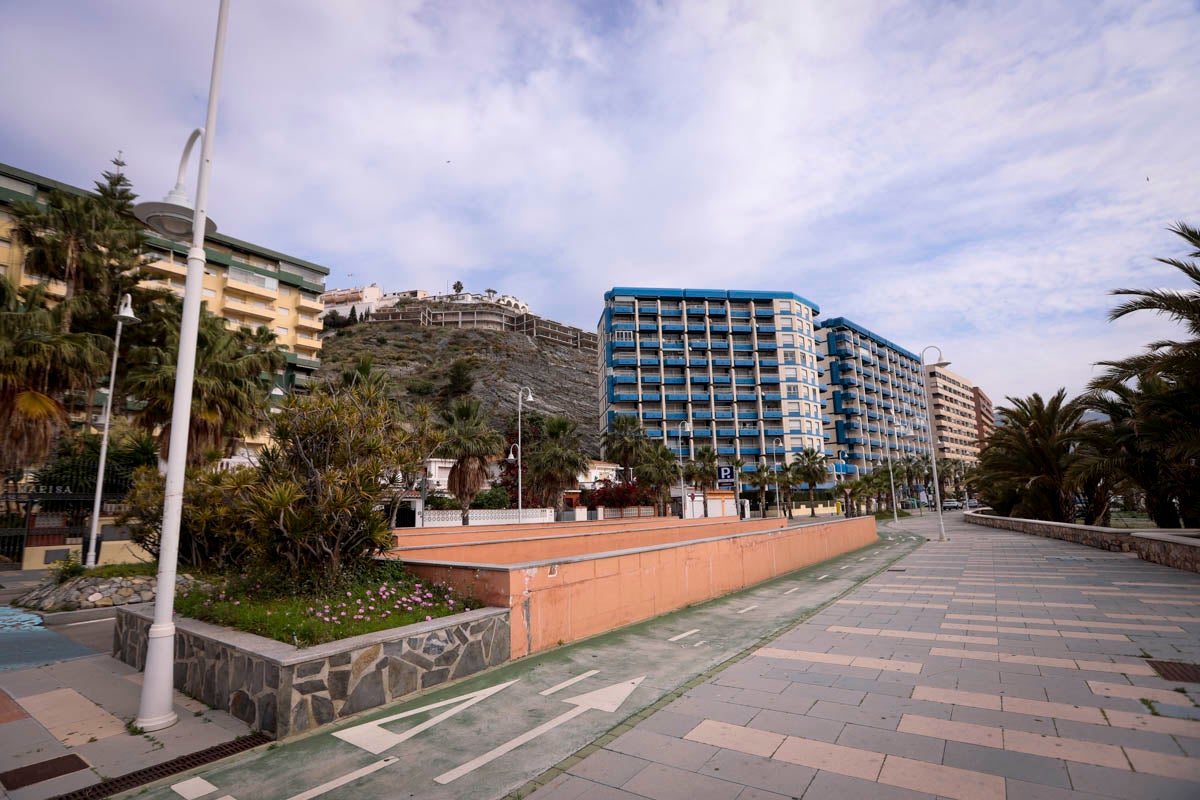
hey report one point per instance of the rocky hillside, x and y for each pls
(420, 360)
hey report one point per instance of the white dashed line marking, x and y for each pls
(683, 635)
(747, 608)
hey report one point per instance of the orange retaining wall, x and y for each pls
(485, 533)
(567, 544)
(584, 595)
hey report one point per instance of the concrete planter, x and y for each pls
(284, 691)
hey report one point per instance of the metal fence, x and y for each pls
(47, 519)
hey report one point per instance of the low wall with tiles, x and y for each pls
(284, 691)
(564, 596)
(1176, 548)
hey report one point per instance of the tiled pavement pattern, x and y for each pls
(79, 707)
(993, 665)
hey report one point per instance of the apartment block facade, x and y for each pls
(875, 399)
(953, 412)
(985, 416)
(246, 284)
(735, 370)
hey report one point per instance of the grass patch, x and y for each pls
(123, 570)
(386, 598)
(885, 515)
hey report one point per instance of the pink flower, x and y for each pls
(427, 619)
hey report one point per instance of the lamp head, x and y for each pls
(125, 312)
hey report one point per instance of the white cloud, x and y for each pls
(957, 174)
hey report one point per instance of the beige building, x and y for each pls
(952, 407)
(985, 416)
(247, 284)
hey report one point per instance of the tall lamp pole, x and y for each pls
(171, 218)
(887, 449)
(525, 393)
(776, 443)
(684, 427)
(927, 374)
(124, 314)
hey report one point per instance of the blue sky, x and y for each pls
(971, 175)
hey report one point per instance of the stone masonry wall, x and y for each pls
(1114, 539)
(1174, 548)
(284, 691)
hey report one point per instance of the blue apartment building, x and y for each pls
(875, 399)
(738, 371)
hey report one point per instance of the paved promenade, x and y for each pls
(993, 665)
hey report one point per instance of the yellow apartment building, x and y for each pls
(247, 284)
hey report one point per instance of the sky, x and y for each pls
(976, 176)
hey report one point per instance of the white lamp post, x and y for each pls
(171, 219)
(684, 427)
(926, 375)
(124, 314)
(525, 393)
(887, 449)
(777, 443)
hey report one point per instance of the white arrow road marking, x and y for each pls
(317, 791)
(568, 682)
(373, 738)
(608, 699)
(747, 608)
(683, 635)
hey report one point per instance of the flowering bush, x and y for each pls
(375, 602)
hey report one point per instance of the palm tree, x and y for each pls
(658, 469)
(762, 479)
(557, 459)
(625, 443)
(810, 468)
(60, 242)
(1164, 357)
(230, 397)
(704, 473)
(38, 364)
(472, 444)
(1027, 461)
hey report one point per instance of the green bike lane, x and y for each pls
(502, 732)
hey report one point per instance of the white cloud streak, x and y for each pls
(967, 175)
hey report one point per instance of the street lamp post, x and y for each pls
(937, 489)
(684, 427)
(775, 444)
(523, 394)
(170, 218)
(124, 314)
(887, 449)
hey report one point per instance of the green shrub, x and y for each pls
(68, 568)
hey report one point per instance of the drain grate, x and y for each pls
(1176, 670)
(166, 769)
(897, 569)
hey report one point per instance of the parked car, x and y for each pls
(951, 505)
(973, 503)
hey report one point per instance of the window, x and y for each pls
(283, 310)
(17, 186)
(310, 275)
(794, 408)
(623, 336)
(252, 278)
(793, 391)
(281, 330)
(790, 373)
(789, 357)
(210, 292)
(789, 340)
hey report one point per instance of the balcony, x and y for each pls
(623, 345)
(303, 303)
(648, 310)
(622, 309)
(652, 415)
(651, 379)
(676, 415)
(307, 343)
(625, 379)
(250, 309)
(267, 294)
(649, 344)
(309, 323)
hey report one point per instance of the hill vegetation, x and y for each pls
(437, 365)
